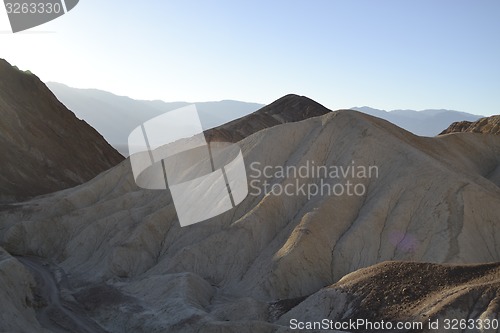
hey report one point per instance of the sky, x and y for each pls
(387, 54)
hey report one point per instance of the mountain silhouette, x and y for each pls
(115, 117)
(424, 123)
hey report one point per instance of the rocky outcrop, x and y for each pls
(488, 125)
(44, 147)
(421, 295)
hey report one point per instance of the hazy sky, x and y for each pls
(388, 54)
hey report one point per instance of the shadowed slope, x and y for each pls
(44, 147)
(287, 109)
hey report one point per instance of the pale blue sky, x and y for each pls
(388, 54)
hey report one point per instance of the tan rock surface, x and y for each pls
(431, 202)
(408, 292)
(487, 125)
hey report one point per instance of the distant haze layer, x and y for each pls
(116, 116)
(424, 123)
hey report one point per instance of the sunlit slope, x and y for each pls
(431, 201)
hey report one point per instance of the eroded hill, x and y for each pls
(432, 200)
(44, 147)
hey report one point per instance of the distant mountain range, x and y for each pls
(116, 116)
(424, 123)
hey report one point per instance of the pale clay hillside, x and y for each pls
(273, 258)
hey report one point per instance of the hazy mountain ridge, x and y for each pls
(433, 201)
(116, 116)
(424, 123)
(44, 147)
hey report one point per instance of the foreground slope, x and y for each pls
(410, 294)
(134, 268)
(44, 147)
(18, 303)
